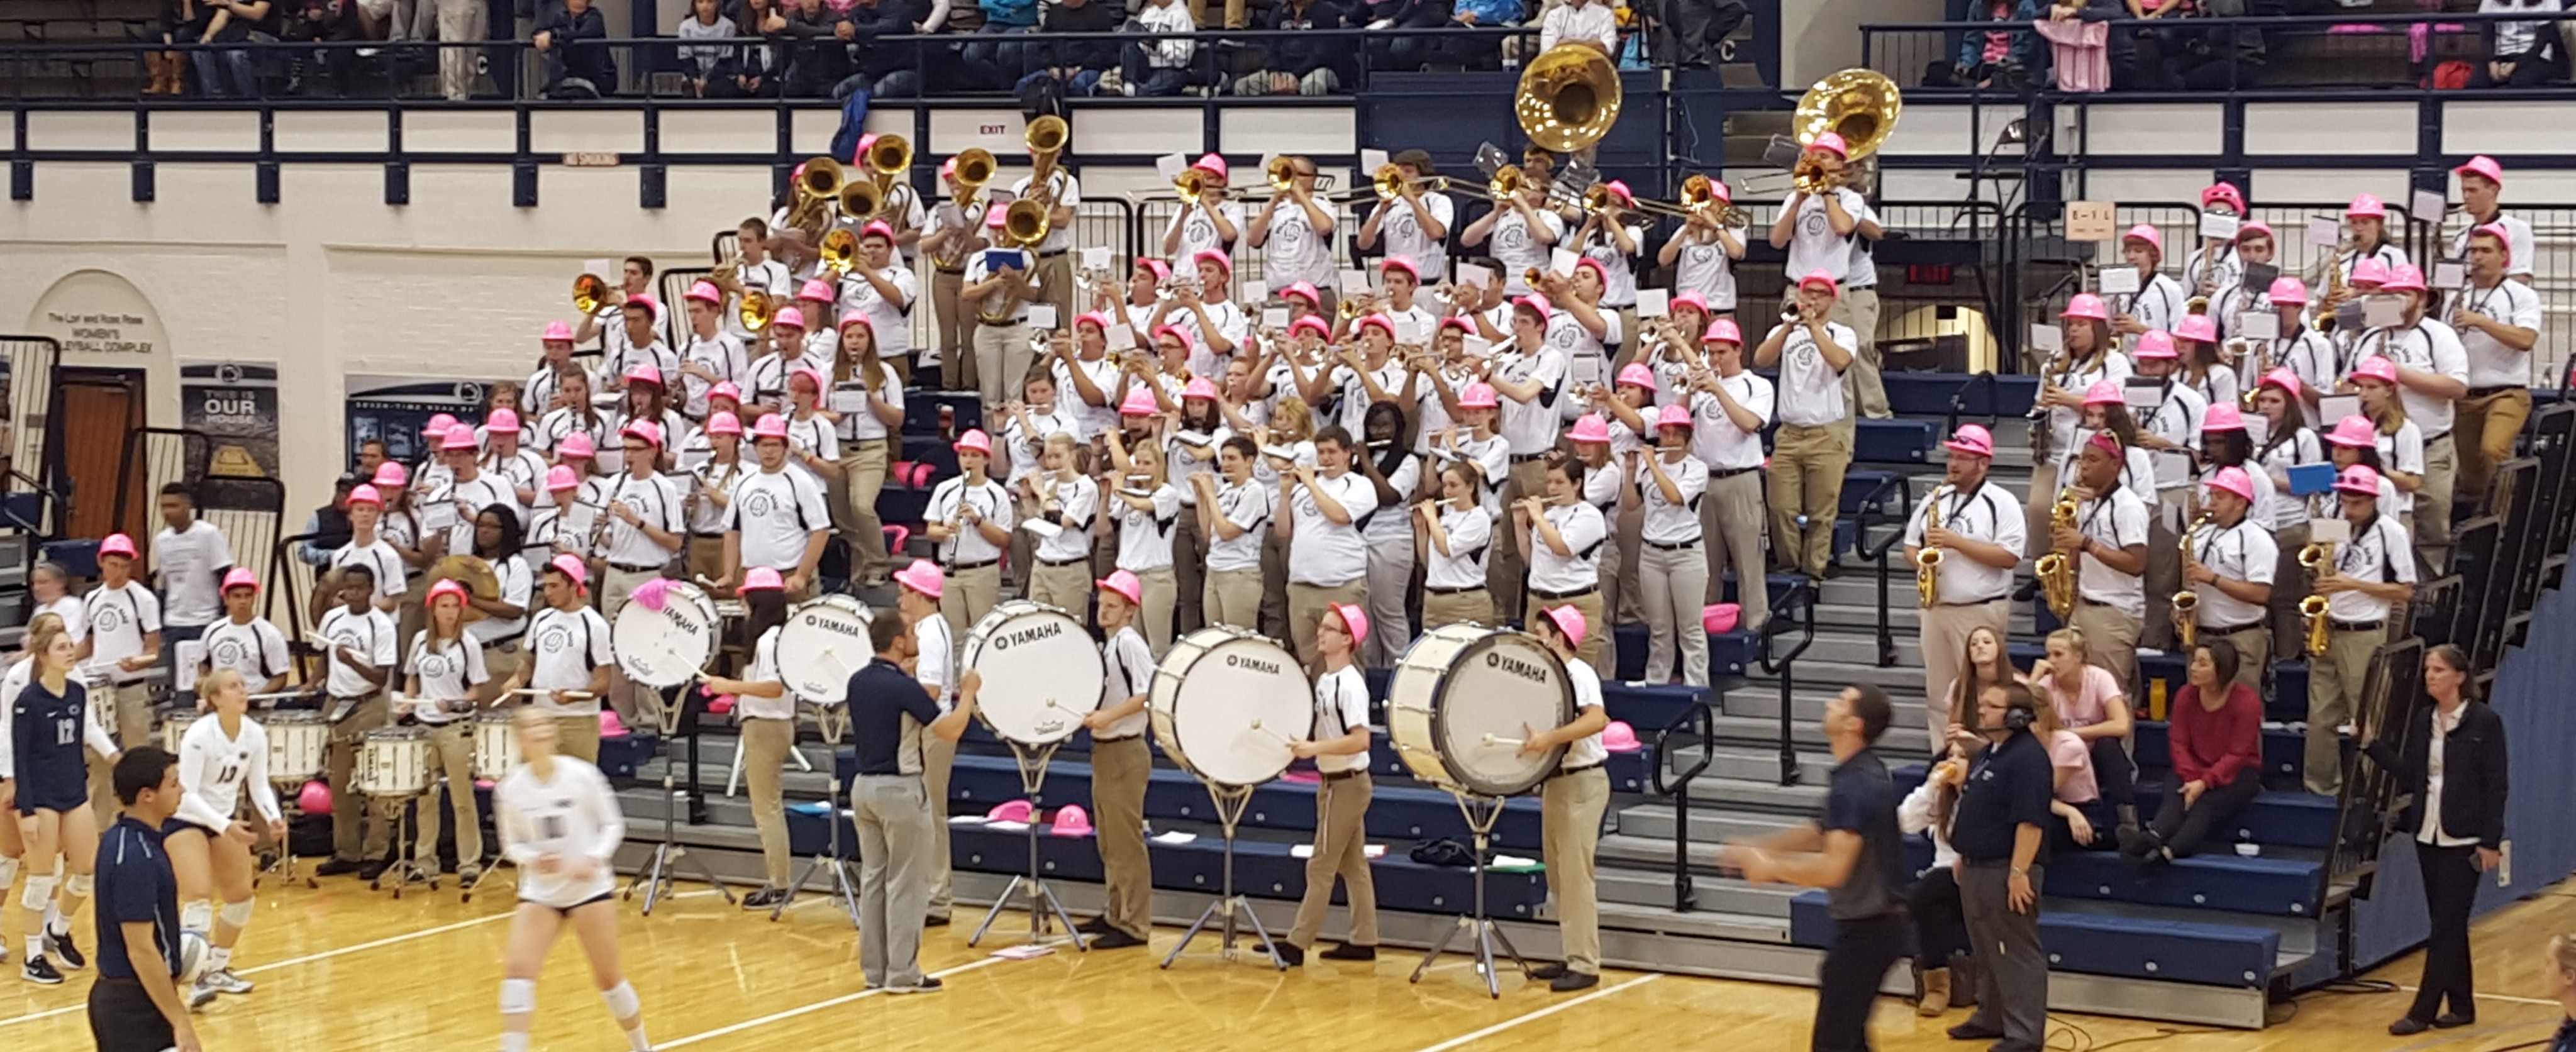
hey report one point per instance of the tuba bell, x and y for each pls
(1024, 223)
(1858, 104)
(1045, 137)
(1568, 98)
(972, 168)
(860, 200)
(888, 158)
(818, 190)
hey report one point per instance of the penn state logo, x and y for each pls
(109, 619)
(433, 665)
(760, 503)
(229, 652)
(554, 640)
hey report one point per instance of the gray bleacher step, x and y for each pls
(1904, 618)
(2299, 935)
(1807, 701)
(1702, 924)
(1862, 648)
(1764, 793)
(1752, 763)
(1654, 821)
(1747, 730)
(1653, 888)
(1844, 673)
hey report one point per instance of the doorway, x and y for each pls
(93, 411)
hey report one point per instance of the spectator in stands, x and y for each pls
(1983, 662)
(228, 73)
(2216, 749)
(1077, 64)
(320, 21)
(714, 71)
(1480, 51)
(1160, 66)
(1580, 22)
(816, 43)
(2090, 703)
(999, 63)
(763, 66)
(2519, 54)
(177, 23)
(328, 527)
(1696, 31)
(1999, 831)
(577, 62)
(1295, 66)
(1403, 51)
(2455, 811)
(2007, 56)
(1942, 959)
(881, 69)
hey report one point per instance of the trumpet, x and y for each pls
(2186, 603)
(2056, 571)
(1927, 562)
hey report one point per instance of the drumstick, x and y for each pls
(279, 696)
(538, 692)
(1283, 739)
(703, 582)
(1491, 741)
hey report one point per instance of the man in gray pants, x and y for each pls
(1999, 831)
(888, 713)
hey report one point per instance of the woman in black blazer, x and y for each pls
(2459, 836)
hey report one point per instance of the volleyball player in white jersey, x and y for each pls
(208, 843)
(560, 825)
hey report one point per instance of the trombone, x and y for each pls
(1507, 184)
(1699, 195)
(590, 295)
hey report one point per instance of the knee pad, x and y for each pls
(78, 885)
(8, 872)
(39, 894)
(622, 1002)
(238, 914)
(518, 996)
(197, 915)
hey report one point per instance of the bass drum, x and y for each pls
(824, 640)
(1461, 700)
(1226, 703)
(1041, 672)
(667, 644)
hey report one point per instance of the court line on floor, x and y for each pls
(2498, 997)
(834, 1002)
(1467, 1039)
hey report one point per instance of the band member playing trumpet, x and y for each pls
(2365, 578)
(2498, 320)
(1339, 745)
(1209, 222)
(1813, 447)
(2109, 542)
(1293, 232)
(2158, 303)
(2230, 567)
(1529, 376)
(1977, 528)
(1414, 223)
(1571, 803)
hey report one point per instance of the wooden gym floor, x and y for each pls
(343, 968)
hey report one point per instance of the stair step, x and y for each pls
(1746, 730)
(1653, 888)
(1841, 673)
(1655, 821)
(1709, 925)
(1807, 703)
(1752, 764)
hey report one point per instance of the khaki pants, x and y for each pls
(968, 595)
(1002, 357)
(1570, 819)
(1055, 285)
(1306, 605)
(1189, 573)
(2289, 585)
(1730, 517)
(1858, 308)
(1154, 615)
(1672, 581)
(1462, 608)
(1341, 850)
(2484, 428)
(938, 755)
(1390, 575)
(451, 755)
(1596, 650)
(1066, 587)
(578, 736)
(1807, 467)
(134, 726)
(765, 745)
(1507, 561)
(863, 473)
(2253, 653)
(2334, 695)
(956, 366)
(1274, 585)
(2110, 640)
(1233, 597)
(2433, 504)
(1619, 588)
(1943, 636)
(458, 20)
(705, 557)
(1118, 770)
(361, 828)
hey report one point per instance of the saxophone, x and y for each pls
(2056, 571)
(2316, 558)
(2186, 603)
(1927, 562)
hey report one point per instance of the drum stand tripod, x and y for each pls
(290, 809)
(1481, 812)
(833, 721)
(1043, 905)
(401, 872)
(1231, 904)
(656, 878)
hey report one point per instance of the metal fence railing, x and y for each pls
(2201, 53)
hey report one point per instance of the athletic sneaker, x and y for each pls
(929, 984)
(200, 995)
(764, 899)
(223, 981)
(41, 972)
(59, 947)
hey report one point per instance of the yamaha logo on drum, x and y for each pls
(1267, 668)
(1517, 667)
(853, 631)
(1048, 630)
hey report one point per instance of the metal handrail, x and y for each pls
(1699, 721)
(1802, 600)
(1959, 402)
(47, 501)
(1867, 518)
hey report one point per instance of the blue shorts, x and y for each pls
(52, 794)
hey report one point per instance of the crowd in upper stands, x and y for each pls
(2098, 45)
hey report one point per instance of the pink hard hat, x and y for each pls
(725, 389)
(2358, 479)
(362, 494)
(2199, 327)
(998, 216)
(645, 373)
(2284, 379)
(1974, 440)
(811, 376)
(724, 423)
(922, 576)
(643, 429)
(2148, 233)
(1160, 270)
(610, 724)
(2253, 230)
(1460, 322)
(877, 228)
(314, 798)
(392, 474)
(1403, 263)
(1477, 395)
(975, 441)
(557, 332)
(1198, 388)
(818, 290)
(1124, 583)
(2104, 392)
(1323, 329)
(1590, 428)
(1692, 300)
(704, 292)
(1303, 291)
(2286, 289)
(762, 579)
(1140, 402)
(449, 587)
(1212, 165)
(458, 437)
(117, 544)
(240, 577)
(1071, 820)
(1674, 415)
(1209, 255)
(438, 425)
(1635, 374)
(647, 304)
(2088, 306)
(2484, 167)
(1599, 272)
(505, 421)
(789, 317)
(1009, 811)
(1831, 142)
(1824, 278)
(2404, 277)
(1353, 618)
(770, 426)
(2155, 343)
(2370, 271)
(570, 566)
(2233, 480)
(1618, 736)
(560, 478)
(2223, 416)
(2354, 432)
(2223, 192)
(2377, 368)
(576, 444)
(1536, 303)
(2503, 237)
(1380, 322)
(2366, 206)
(860, 319)
(1570, 622)
(1721, 617)
(1723, 330)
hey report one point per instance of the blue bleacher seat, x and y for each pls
(2284, 751)
(1894, 441)
(1630, 648)
(1405, 812)
(2130, 947)
(1264, 869)
(2288, 887)
(1877, 491)
(2278, 818)
(1929, 394)
(1649, 707)
(623, 755)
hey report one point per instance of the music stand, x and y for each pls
(1230, 802)
(1481, 813)
(656, 878)
(833, 722)
(1033, 761)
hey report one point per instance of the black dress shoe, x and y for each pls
(2452, 1020)
(2408, 1027)
(1971, 1031)
(1291, 953)
(1572, 981)
(1547, 971)
(1349, 952)
(1095, 926)
(335, 867)
(1114, 939)
(934, 922)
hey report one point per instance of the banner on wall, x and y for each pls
(234, 404)
(394, 409)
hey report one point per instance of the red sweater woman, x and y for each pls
(2216, 747)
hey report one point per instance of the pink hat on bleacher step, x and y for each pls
(1620, 737)
(1071, 820)
(1009, 811)
(1721, 617)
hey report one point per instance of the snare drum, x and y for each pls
(296, 741)
(670, 646)
(1040, 668)
(824, 640)
(496, 746)
(1462, 699)
(1226, 703)
(394, 761)
(174, 729)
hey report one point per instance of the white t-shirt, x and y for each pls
(764, 669)
(2491, 363)
(1293, 251)
(1077, 502)
(708, 478)
(2243, 552)
(859, 421)
(1531, 427)
(1590, 749)
(370, 635)
(2380, 553)
(2427, 346)
(1400, 234)
(659, 501)
(1813, 244)
(119, 618)
(191, 566)
(1587, 357)
(722, 354)
(777, 514)
(485, 490)
(1470, 532)
(1393, 523)
(1715, 438)
(1584, 530)
(75, 622)
(1515, 249)
(2079, 377)
(1068, 194)
(2278, 455)
(1074, 412)
(378, 557)
(1619, 281)
(1704, 267)
(1990, 513)
(1127, 670)
(518, 587)
(891, 319)
(2176, 419)
(215, 769)
(1247, 506)
(448, 675)
(256, 650)
(1027, 448)
(2120, 522)
(1341, 706)
(991, 501)
(565, 646)
(1198, 230)
(1667, 522)
(574, 817)
(2517, 233)
(1145, 538)
(1320, 551)
(1811, 389)
(934, 670)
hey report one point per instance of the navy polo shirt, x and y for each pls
(135, 886)
(880, 696)
(1862, 801)
(2008, 785)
